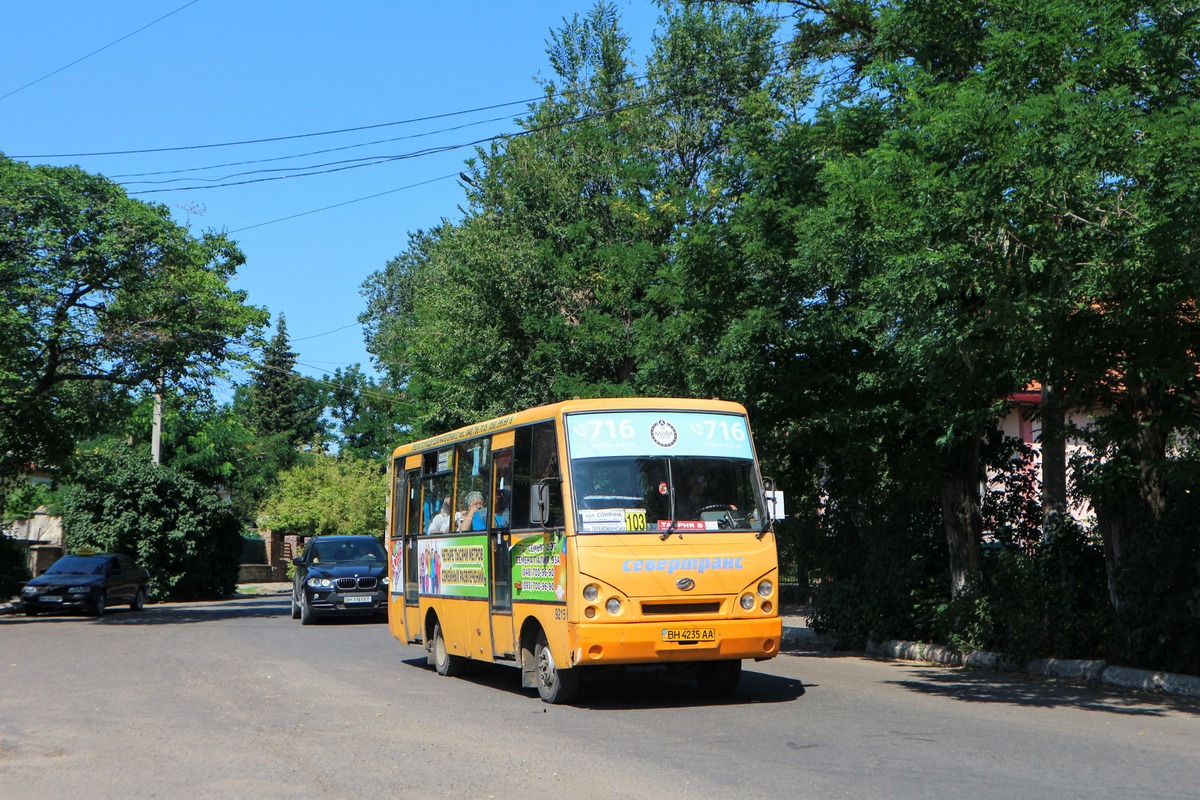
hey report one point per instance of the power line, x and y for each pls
(326, 333)
(121, 176)
(276, 138)
(94, 52)
(339, 205)
(369, 161)
(548, 96)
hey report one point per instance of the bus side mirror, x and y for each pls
(774, 499)
(541, 505)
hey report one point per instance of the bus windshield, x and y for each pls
(662, 471)
(687, 493)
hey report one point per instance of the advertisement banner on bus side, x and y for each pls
(453, 567)
(538, 569)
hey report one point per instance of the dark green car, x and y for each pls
(88, 583)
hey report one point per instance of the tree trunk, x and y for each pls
(1054, 458)
(960, 513)
(1120, 520)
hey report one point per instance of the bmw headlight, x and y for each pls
(80, 590)
(384, 580)
(320, 583)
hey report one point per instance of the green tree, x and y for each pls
(328, 495)
(283, 403)
(367, 414)
(101, 294)
(189, 539)
(559, 280)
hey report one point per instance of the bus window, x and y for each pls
(535, 457)
(438, 504)
(501, 513)
(474, 485)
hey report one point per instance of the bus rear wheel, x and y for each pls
(445, 663)
(554, 685)
(719, 678)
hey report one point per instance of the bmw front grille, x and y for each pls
(357, 583)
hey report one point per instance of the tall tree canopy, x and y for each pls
(101, 292)
(560, 279)
(281, 402)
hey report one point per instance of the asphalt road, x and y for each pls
(237, 700)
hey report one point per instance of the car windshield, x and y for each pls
(685, 493)
(348, 552)
(78, 565)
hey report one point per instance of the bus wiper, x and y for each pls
(670, 529)
(766, 527)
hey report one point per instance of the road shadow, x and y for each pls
(244, 607)
(632, 688)
(1018, 689)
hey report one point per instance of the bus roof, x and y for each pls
(555, 410)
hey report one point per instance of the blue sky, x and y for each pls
(216, 71)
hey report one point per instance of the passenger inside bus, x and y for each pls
(694, 497)
(475, 517)
(441, 520)
(500, 519)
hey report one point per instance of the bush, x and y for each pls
(13, 571)
(28, 497)
(187, 537)
(1159, 586)
(1043, 599)
(881, 570)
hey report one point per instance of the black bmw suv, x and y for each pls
(340, 575)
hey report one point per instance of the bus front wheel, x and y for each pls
(554, 685)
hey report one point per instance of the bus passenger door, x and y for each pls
(412, 613)
(500, 561)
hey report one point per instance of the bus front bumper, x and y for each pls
(675, 641)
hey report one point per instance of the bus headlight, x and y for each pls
(591, 592)
(765, 588)
(747, 602)
(613, 606)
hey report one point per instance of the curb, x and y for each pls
(1084, 671)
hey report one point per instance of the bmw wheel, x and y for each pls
(307, 617)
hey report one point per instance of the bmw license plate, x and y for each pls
(689, 634)
(356, 598)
